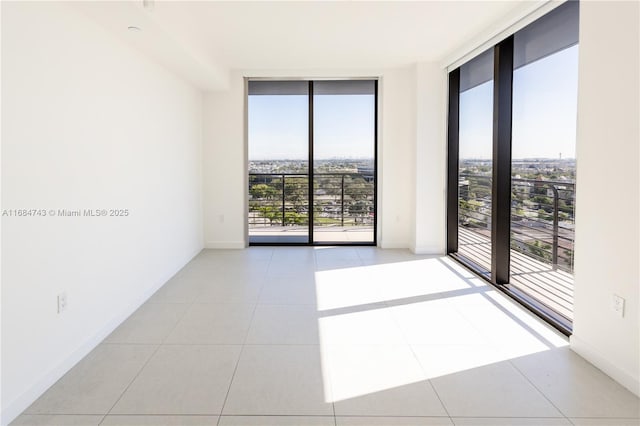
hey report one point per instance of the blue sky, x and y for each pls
(343, 127)
(545, 98)
(278, 127)
(544, 118)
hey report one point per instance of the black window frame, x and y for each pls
(499, 276)
(310, 239)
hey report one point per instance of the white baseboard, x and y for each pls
(21, 403)
(621, 376)
(393, 245)
(430, 250)
(225, 245)
(18, 405)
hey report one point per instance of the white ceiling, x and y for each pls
(203, 40)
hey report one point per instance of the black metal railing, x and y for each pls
(542, 216)
(282, 199)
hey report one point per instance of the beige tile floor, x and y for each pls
(331, 336)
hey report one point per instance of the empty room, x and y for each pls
(289, 213)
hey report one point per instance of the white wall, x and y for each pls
(608, 191)
(430, 157)
(396, 187)
(87, 123)
(225, 169)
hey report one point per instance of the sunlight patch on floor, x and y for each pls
(381, 283)
(390, 325)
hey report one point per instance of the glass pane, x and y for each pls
(475, 161)
(545, 89)
(278, 118)
(344, 161)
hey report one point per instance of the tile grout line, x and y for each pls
(158, 345)
(131, 382)
(495, 345)
(491, 342)
(539, 390)
(104, 416)
(406, 341)
(233, 375)
(246, 336)
(184, 313)
(315, 270)
(430, 383)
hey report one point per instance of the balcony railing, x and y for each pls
(542, 235)
(542, 216)
(282, 199)
(543, 220)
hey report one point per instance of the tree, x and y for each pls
(542, 214)
(540, 199)
(332, 186)
(358, 209)
(293, 218)
(464, 205)
(271, 213)
(540, 250)
(262, 190)
(357, 189)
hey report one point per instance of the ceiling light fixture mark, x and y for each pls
(148, 5)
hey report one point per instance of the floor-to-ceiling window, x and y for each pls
(278, 123)
(330, 125)
(511, 163)
(475, 164)
(545, 101)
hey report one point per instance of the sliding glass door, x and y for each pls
(511, 167)
(330, 125)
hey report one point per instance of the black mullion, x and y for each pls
(501, 185)
(375, 163)
(453, 133)
(310, 166)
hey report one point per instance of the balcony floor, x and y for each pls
(553, 288)
(299, 234)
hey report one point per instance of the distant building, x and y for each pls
(463, 189)
(366, 173)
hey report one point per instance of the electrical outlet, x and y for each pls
(62, 302)
(617, 304)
